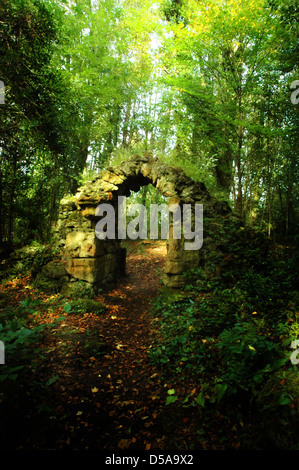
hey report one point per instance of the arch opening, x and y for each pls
(144, 251)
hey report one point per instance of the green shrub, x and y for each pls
(278, 410)
(16, 337)
(247, 357)
(178, 329)
(231, 335)
(83, 290)
(47, 286)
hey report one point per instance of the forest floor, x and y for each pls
(74, 395)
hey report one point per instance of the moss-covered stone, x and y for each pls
(90, 260)
(54, 270)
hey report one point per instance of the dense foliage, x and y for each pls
(231, 334)
(209, 86)
(203, 85)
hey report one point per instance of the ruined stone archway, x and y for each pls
(100, 262)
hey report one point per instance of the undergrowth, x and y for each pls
(231, 335)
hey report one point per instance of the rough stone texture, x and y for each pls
(54, 270)
(83, 245)
(100, 262)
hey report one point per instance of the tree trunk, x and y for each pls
(126, 124)
(239, 200)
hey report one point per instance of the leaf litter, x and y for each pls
(113, 398)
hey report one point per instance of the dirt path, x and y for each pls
(132, 385)
(128, 323)
(114, 401)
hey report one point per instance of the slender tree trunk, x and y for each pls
(239, 200)
(166, 126)
(126, 124)
(116, 125)
(132, 126)
(223, 171)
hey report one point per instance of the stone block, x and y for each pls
(93, 270)
(113, 177)
(86, 269)
(83, 245)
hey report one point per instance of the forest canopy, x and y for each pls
(203, 85)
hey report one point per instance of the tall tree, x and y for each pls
(105, 55)
(222, 59)
(36, 110)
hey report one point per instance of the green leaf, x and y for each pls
(220, 391)
(67, 308)
(200, 399)
(52, 380)
(171, 399)
(283, 400)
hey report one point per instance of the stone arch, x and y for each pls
(101, 262)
